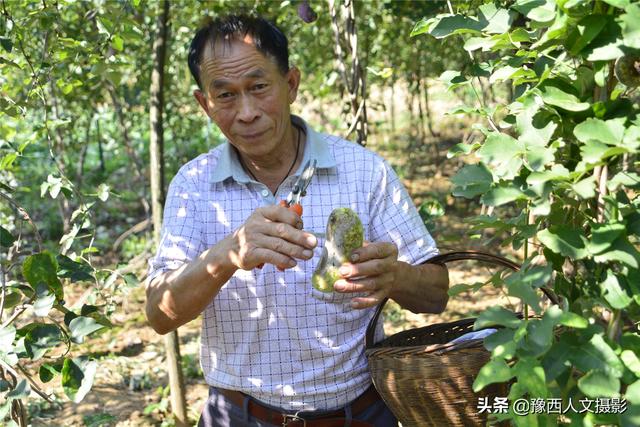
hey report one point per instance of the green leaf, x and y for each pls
(7, 335)
(631, 137)
(543, 11)
(6, 44)
(620, 4)
(597, 355)
(631, 26)
(40, 338)
(453, 79)
(471, 180)
(43, 303)
(501, 343)
(620, 251)
(504, 153)
(22, 390)
(503, 73)
(537, 157)
(586, 30)
(535, 129)
(603, 235)
(6, 239)
(552, 95)
(456, 24)
(496, 371)
(423, 26)
(631, 361)
(498, 20)
(599, 384)
(474, 43)
(72, 270)
(117, 43)
(503, 194)
(460, 288)
(633, 393)
(82, 326)
(496, 316)
(531, 375)
(624, 179)
(540, 334)
(609, 132)
(77, 378)
(630, 341)
(573, 320)
(556, 360)
(594, 152)
(460, 149)
(48, 372)
(566, 241)
(613, 292)
(42, 268)
(556, 173)
(103, 192)
(585, 189)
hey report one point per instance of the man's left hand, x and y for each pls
(373, 270)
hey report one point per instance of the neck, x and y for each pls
(274, 169)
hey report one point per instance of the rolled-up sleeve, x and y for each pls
(394, 218)
(182, 233)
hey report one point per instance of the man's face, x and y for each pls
(247, 96)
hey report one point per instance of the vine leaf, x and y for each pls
(77, 377)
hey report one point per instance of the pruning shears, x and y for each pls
(299, 190)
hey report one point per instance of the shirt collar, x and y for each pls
(228, 165)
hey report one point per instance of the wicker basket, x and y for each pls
(423, 378)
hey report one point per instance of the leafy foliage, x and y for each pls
(561, 153)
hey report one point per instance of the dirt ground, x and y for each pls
(128, 388)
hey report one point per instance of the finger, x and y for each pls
(375, 250)
(371, 300)
(358, 285)
(268, 256)
(374, 267)
(277, 213)
(286, 232)
(285, 247)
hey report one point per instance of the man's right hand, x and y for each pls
(272, 234)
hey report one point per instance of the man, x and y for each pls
(272, 345)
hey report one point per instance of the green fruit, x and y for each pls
(344, 234)
(627, 70)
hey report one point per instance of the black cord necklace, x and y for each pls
(290, 168)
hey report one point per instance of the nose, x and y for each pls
(248, 111)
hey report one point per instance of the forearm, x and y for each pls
(177, 297)
(421, 288)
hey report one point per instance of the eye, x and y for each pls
(224, 95)
(259, 86)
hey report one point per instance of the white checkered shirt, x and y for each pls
(268, 333)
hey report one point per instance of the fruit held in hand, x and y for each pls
(627, 70)
(344, 234)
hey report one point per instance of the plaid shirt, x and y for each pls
(268, 333)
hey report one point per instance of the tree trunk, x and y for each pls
(392, 109)
(343, 23)
(156, 154)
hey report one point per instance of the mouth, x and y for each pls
(253, 135)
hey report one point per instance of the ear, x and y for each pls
(202, 100)
(293, 81)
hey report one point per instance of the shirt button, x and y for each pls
(264, 193)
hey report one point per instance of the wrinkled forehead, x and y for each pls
(222, 47)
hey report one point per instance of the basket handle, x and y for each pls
(443, 259)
